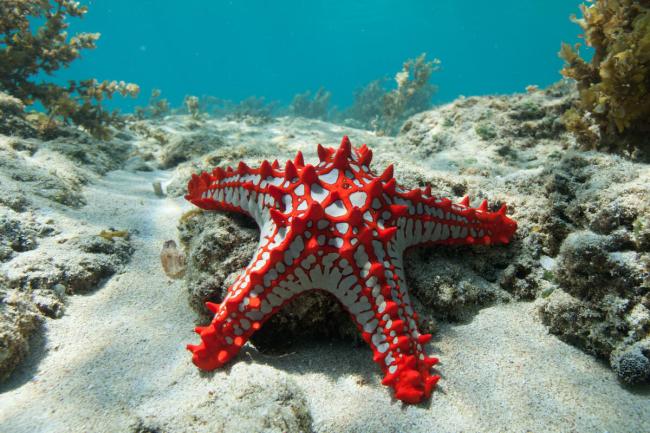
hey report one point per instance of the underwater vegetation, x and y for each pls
(191, 103)
(28, 51)
(313, 107)
(613, 110)
(252, 110)
(156, 108)
(376, 106)
(382, 110)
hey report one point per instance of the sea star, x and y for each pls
(340, 228)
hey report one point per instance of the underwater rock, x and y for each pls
(575, 322)
(16, 235)
(14, 199)
(85, 272)
(217, 247)
(19, 319)
(40, 265)
(10, 105)
(29, 172)
(77, 264)
(100, 156)
(12, 117)
(173, 140)
(597, 191)
(518, 122)
(182, 147)
(596, 220)
(600, 304)
(632, 365)
(453, 285)
(589, 267)
(36, 282)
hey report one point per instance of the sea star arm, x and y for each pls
(380, 306)
(431, 220)
(267, 283)
(282, 268)
(251, 191)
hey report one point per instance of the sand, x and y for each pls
(116, 361)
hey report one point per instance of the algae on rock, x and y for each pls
(613, 110)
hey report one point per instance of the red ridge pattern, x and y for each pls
(340, 228)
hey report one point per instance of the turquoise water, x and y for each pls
(275, 49)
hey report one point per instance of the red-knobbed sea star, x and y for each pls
(340, 228)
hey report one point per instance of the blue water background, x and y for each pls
(275, 49)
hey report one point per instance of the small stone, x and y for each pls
(548, 263)
(157, 189)
(633, 365)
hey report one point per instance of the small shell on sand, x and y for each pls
(172, 260)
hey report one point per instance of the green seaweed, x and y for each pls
(548, 276)
(547, 292)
